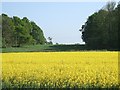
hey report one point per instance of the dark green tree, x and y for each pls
(118, 21)
(37, 34)
(27, 30)
(111, 22)
(7, 31)
(93, 32)
(101, 29)
(17, 32)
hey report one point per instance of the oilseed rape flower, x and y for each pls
(60, 70)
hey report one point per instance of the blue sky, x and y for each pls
(59, 20)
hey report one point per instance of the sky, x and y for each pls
(59, 20)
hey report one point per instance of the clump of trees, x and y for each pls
(17, 32)
(102, 29)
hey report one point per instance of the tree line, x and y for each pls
(102, 29)
(17, 32)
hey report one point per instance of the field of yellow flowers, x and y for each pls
(60, 70)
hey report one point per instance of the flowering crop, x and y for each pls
(60, 70)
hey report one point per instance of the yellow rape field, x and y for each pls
(60, 70)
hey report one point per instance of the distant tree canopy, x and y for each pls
(17, 32)
(102, 28)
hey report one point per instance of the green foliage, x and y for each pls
(17, 32)
(7, 31)
(37, 34)
(101, 29)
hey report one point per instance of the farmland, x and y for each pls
(60, 70)
(45, 48)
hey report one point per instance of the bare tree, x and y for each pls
(110, 6)
(50, 40)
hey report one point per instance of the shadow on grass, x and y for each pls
(66, 48)
(49, 48)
